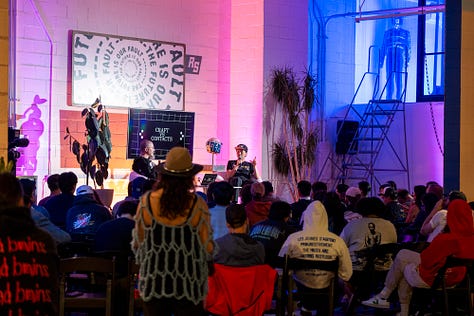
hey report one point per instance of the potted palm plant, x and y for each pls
(293, 151)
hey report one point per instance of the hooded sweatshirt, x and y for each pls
(458, 242)
(316, 242)
(29, 266)
(86, 215)
(239, 250)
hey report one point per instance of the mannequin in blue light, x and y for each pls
(396, 52)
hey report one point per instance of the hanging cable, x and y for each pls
(433, 122)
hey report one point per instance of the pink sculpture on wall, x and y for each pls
(32, 129)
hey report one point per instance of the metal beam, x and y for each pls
(390, 13)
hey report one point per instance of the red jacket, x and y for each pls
(257, 211)
(458, 242)
(242, 291)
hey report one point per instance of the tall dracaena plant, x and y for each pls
(95, 155)
(294, 153)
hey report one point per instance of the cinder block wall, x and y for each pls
(226, 96)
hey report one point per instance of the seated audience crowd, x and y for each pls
(260, 228)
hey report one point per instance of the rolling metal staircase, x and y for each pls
(360, 160)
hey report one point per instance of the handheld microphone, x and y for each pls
(240, 160)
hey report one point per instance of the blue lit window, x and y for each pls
(431, 52)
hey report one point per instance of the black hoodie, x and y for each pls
(28, 266)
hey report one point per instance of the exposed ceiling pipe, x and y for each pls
(390, 13)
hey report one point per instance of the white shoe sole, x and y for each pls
(376, 305)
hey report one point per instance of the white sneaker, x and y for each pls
(377, 302)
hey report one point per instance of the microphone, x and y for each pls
(240, 160)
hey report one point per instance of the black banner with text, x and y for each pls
(166, 129)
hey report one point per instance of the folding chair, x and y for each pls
(424, 298)
(370, 280)
(291, 265)
(135, 303)
(88, 272)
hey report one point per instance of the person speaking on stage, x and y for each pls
(240, 171)
(143, 165)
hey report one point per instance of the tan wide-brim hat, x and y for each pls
(179, 164)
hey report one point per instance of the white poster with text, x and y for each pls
(127, 72)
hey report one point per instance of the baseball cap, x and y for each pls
(389, 192)
(242, 147)
(84, 189)
(353, 192)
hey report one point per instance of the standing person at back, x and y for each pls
(29, 261)
(304, 198)
(58, 205)
(172, 240)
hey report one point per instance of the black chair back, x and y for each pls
(440, 287)
(292, 265)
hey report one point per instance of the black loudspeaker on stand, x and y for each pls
(347, 131)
